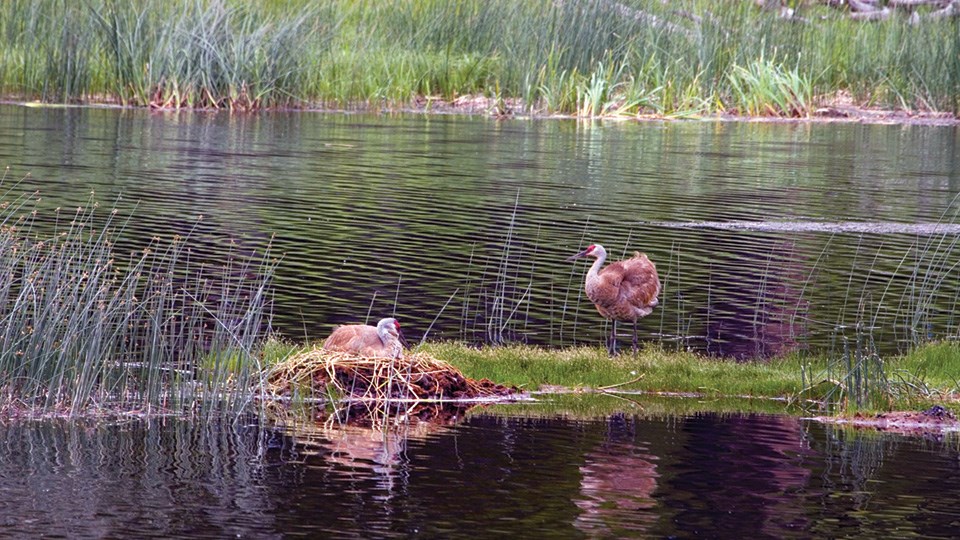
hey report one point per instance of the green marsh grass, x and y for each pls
(798, 382)
(572, 57)
(859, 379)
(856, 376)
(86, 328)
(764, 88)
(592, 367)
(855, 379)
(598, 406)
(927, 375)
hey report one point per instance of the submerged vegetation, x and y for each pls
(584, 57)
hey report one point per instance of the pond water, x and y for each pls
(767, 236)
(486, 474)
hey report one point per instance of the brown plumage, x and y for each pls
(623, 291)
(384, 340)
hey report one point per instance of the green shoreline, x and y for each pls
(851, 114)
(926, 376)
(797, 384)
(582, 58)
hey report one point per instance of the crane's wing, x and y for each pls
(641, 284)
(348, 338)
(628, 289)
(359, 339)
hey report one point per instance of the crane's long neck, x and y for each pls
(384, 336)
(597, 264)
(390, 342)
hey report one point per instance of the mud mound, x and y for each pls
(935, 420)
(415, 376)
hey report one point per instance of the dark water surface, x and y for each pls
(767, 236)
(488, 475)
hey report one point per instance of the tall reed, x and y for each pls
(764, 88)
(84, 328)
(911, 297)
(677, 58)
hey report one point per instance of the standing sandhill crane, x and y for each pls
(384, 340)
(623, 291)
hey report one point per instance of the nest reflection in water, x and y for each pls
(362, 411)
(365, 435)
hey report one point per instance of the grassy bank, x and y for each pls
(585, 57)
(930, 374)
(604, 405)
(591, 367)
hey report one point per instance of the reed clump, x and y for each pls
(587, 57)
(87, 328)
(856, 379)
(860, 379)
(338, 375)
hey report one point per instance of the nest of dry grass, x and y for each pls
(416, 376)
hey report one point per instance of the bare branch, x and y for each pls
(875, 15)
(911, 4)
(643, 16)
(951, 10)
(916, 11)
(864, 6)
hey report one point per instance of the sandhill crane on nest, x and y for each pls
(384, 340)
(623, 291)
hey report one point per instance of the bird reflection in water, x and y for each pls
(618, 479)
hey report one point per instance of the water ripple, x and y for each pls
(841, 227)
(767, 237)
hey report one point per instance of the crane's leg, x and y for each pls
(612, 343)
(634, 336)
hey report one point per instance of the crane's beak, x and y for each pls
(578, 255)
(403, 340)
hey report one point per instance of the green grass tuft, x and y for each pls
(661, 371)
(767, 89)
(928, 375)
